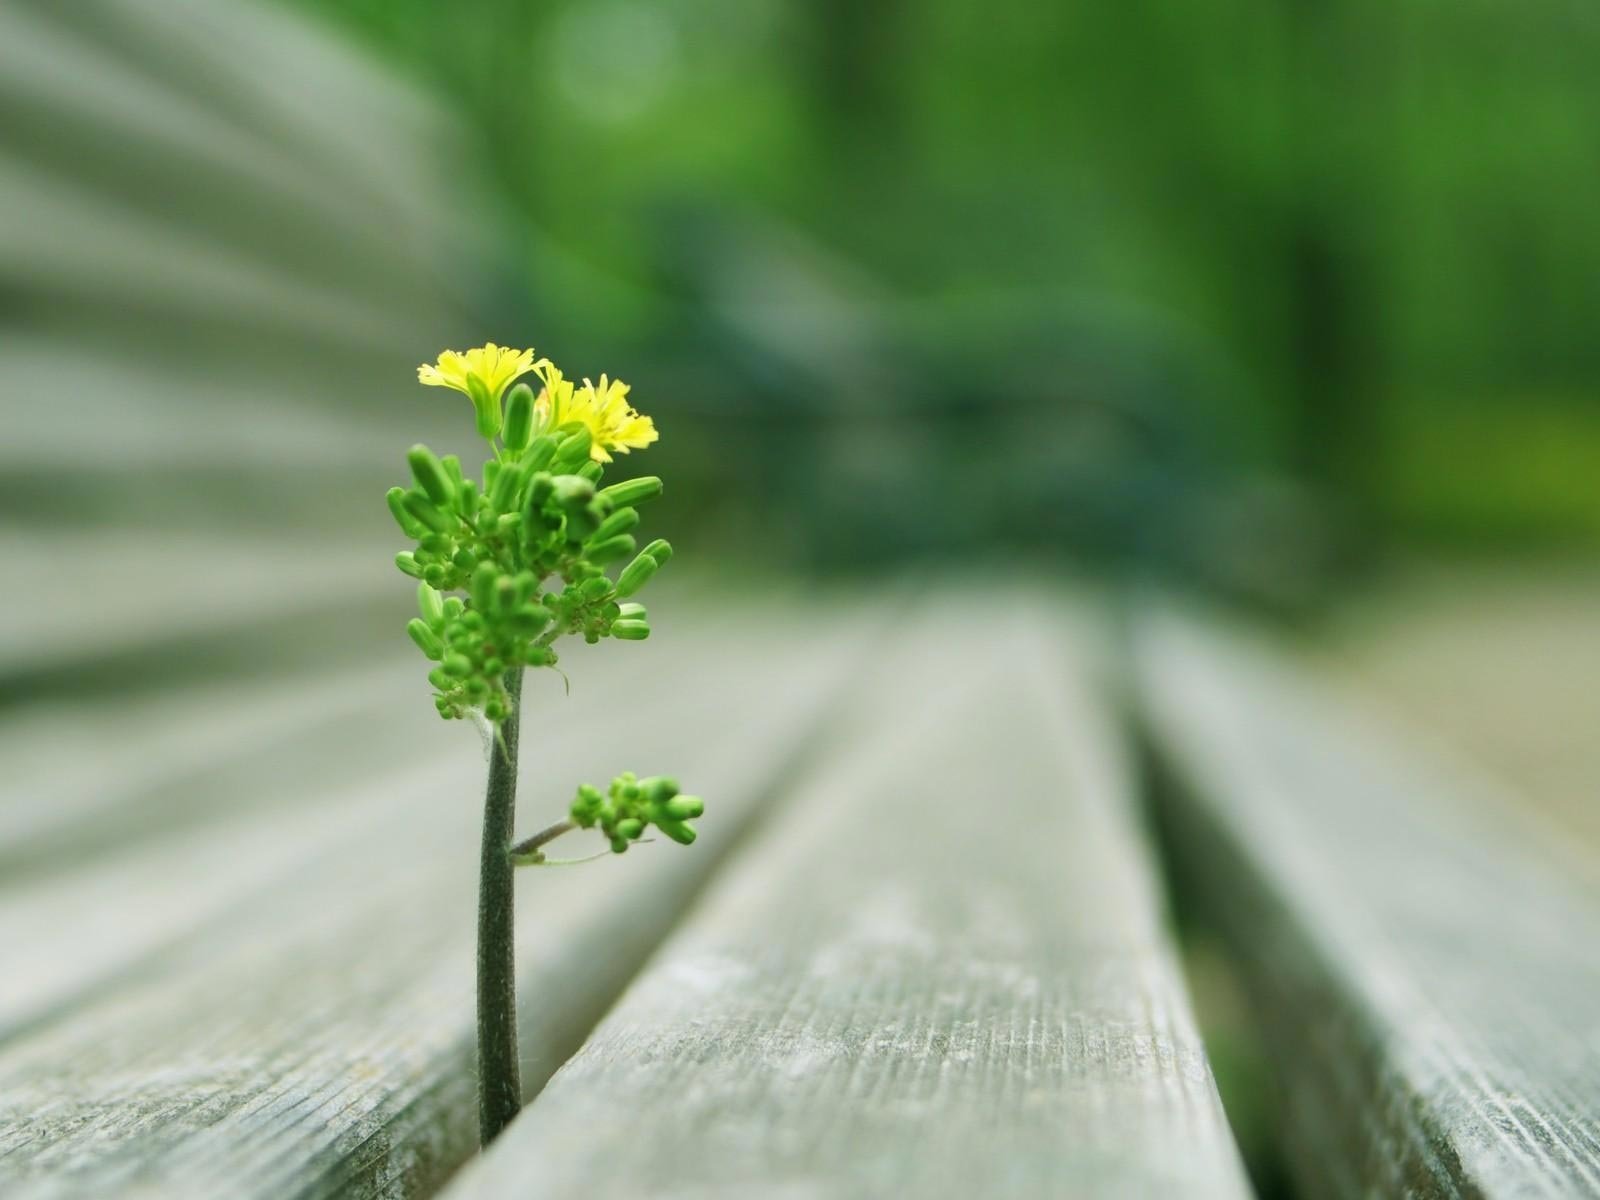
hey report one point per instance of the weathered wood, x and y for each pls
(314, 1038)
(1420, 957)
(939, 971)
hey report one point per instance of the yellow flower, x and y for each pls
(603, 410)
(493, 366)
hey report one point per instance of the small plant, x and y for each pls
(528, 548)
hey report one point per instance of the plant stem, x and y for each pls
(499, 1073)
(545, 836)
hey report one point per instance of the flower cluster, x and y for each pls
(531, 544)
(632, 805)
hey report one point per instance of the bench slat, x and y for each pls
(939, 972)
(1417, 951)
(315, 1038)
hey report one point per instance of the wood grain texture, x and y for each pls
(1419, 953)
(313, 1037)
(940, 971)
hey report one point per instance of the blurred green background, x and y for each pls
(1257, 288)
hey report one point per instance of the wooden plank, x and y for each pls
(940, 971)
(315, 1039)
(1417, 950)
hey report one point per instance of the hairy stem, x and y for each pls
(499, 1074)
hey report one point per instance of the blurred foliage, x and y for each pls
(1260, 281)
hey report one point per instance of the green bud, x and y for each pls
(574, 447)
(503, 493)
(591, 470)
(571, 491)
(431, 475)
(457, 665)
(657, 788)
(407, 562)
(660, 550)
(452, 468)
(540, 451)
(475, 686)
(593, 589)
(620, 521)
(464, 559)
(494, 708)
(630, 611)
(440, 678)
(505, 597)
(630, 828)
(531, 619)
(427, 641)
(486, 405)
(484, 579)
(610, 549)
(619, 844)
(630, 631)
(684, 808)
(452, 607)
(677, 831)
(525, 583)
(636, 574)
(633, 491)
(467, 498)
(508, 523)
(430, 604)
(519, 418)
(420, 507)
(409, 525)
(494, 666)
(435, 574)
(587, 805)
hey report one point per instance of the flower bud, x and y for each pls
(440, 678)
(677, 831)
(684, 808)
(591, 471)
(630, 611)
(486, 404)
(658, 788)
(530, 619)
(484, 579)
(573, 449)
(630, 827)
(633, 491)
(621, 521)
(636, 574)
(540, 451)
(519, 418)
(427, 641)
(431, 475)
(407, 562)
(571, 491)
(423, 510)
(630, 631)
(610, 549)
(503, 492)
(660, 550)
(593, 589)
(409, 525)
(430, 604)
(457, 665)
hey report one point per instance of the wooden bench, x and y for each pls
(1419, 954)
(939, 970)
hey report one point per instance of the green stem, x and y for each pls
(499, 1074)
